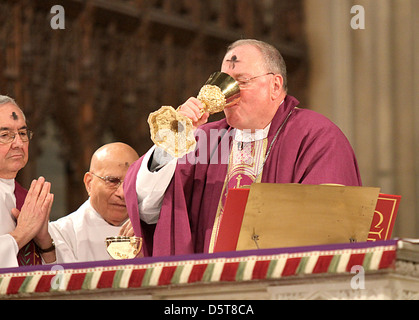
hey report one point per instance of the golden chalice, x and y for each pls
(174, 132)
(124, 247)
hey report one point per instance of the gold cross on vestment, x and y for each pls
(239, 179)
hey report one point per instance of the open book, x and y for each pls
(310, 215)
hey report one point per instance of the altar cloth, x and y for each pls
(237, 266)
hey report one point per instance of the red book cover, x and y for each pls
(384, 217)
(231, 220)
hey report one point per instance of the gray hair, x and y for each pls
(274, 62)
(6, 99)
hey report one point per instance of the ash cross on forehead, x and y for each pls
(14, 116)
(233, 61)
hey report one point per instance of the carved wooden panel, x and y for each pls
(116, 61)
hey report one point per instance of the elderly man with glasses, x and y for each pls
(81, 235)
(24, 238)
(270, 140)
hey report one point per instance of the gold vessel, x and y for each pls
(174, 132)
(124, 247)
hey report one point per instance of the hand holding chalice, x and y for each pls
(174, 132)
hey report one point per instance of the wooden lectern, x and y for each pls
(289, 215)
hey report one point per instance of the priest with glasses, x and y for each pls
(24, 215)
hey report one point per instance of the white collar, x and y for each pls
(248, 136)
(7, 185)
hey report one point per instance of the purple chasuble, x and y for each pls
(309, 149)
(28, 255)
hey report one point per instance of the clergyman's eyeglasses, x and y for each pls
(7, 136)
(244, 82)
(110, 182)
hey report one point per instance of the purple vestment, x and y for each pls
(28, 255)
(309, 149)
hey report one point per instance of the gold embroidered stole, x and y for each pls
(245, 167)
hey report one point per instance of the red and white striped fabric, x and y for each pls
(208, 270)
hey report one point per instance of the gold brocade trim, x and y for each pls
(252, 169)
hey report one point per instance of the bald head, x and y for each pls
(114, 154)
(110, 162)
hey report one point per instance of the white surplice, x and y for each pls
(8, 246)
(80, 236)
(152, 184)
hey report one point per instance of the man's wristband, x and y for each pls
(52, 248)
